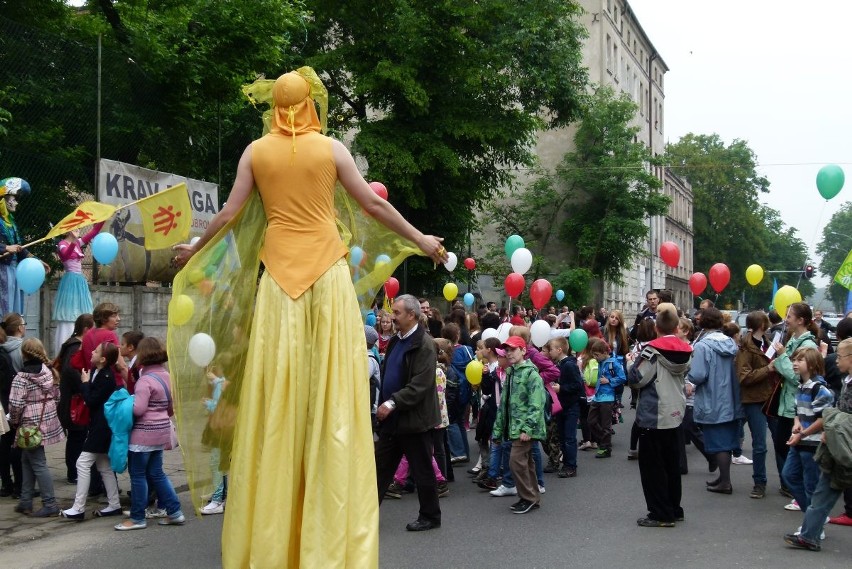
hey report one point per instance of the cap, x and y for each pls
(514, 342)
(371, 335)
(502, 353)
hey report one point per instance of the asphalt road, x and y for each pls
(588, 521)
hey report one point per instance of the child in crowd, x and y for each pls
(216, 383)
(96, 390)
(570, 393)
(520, 418)
(801, 472)
(129, 341)
(610, 377)
(491, 386)
(374, 370)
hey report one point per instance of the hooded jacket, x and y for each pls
(784, 366)
(658, 374)
(757, 379)
(522, 405)
(118, 411)
(13, 348)
(713, 372)
(612, 370)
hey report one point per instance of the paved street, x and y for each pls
(588, 521)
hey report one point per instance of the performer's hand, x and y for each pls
(433, 248)
(184, 252)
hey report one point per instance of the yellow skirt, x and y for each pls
(302, 483)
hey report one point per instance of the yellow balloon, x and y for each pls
(181, 309)
(786, 296)
(473, 372)
(451, 291)
(754, 274)
(195, 275)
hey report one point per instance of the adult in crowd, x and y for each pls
(325, 439)
(757, 380)
(71, 386)
(649, 311)
(10, 486)
(833, 376)
(14, 329)
(409, 411)
(458, 317)
(107, 318)
(72, 297)
(717, 396)
(801, 333)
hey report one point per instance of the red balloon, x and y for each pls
(697, 283)
(720, 276)
(514, 284)
(469, 263)
(540, 292)
(391, 287)
(669, 253)
(380, 190)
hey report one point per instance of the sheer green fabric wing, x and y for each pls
(213, 295)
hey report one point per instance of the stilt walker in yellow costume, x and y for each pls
(302, 486)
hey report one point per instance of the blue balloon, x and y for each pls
(560, 294)
(383, 259)
(371, 319)
(468, 299)
(104, 248)
(30, 275)
(356, 255)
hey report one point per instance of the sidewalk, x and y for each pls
(16, 528)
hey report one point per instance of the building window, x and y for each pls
(608, 53)
(615, 62)
(641, 99)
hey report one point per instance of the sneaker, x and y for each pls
(213, 507)
(821, 534)
(177, 520)
(841, 520)
(585, 446)
(603, 453)
(459, 460)
(649, 523)
(567, 473)
(540, 489)
(394, 491)
(793, 507)
(488, 484)
(474, 471)
(24, 509)
(150, 513)
(632, 454)
(443, 489)
(742, 459)
(551, 468)
(47, 512)
(800, 542)
(759, 491)
(523, 507)
(594, 446)
(501, 491)
(72, 514)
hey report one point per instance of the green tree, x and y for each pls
(833, 248)
(587, 220)
(730, 224)
(446, 98)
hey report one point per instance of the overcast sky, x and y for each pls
(773, 73)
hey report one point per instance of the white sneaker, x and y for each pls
(821, 535)
(213, 507)
(793, 507)
(541, 489)
(504, 491)
(150, 513)
(742, 459)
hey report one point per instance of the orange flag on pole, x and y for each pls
(86, 214)
(166, 217)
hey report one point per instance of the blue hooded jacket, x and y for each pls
(611, 369)
(714, 374)
(118, 411)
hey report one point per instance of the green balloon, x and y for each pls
(830, 180)
(578, 340)
(513, 243)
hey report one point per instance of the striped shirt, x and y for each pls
(810, 403)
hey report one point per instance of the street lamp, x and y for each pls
(840, 234)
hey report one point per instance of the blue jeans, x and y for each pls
(822, 500)
(539, 462)
(568, 434)
(504, 452)
(459, 445)
(801, 473)
(34, 467)
(147, 468)
(757, 425)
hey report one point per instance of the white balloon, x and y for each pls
(540, 332)
(521, 260)
(202, 349)
(452, 261)
(503, 331)
(194, 240)
(488, 333)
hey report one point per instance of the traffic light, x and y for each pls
(809, 271)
